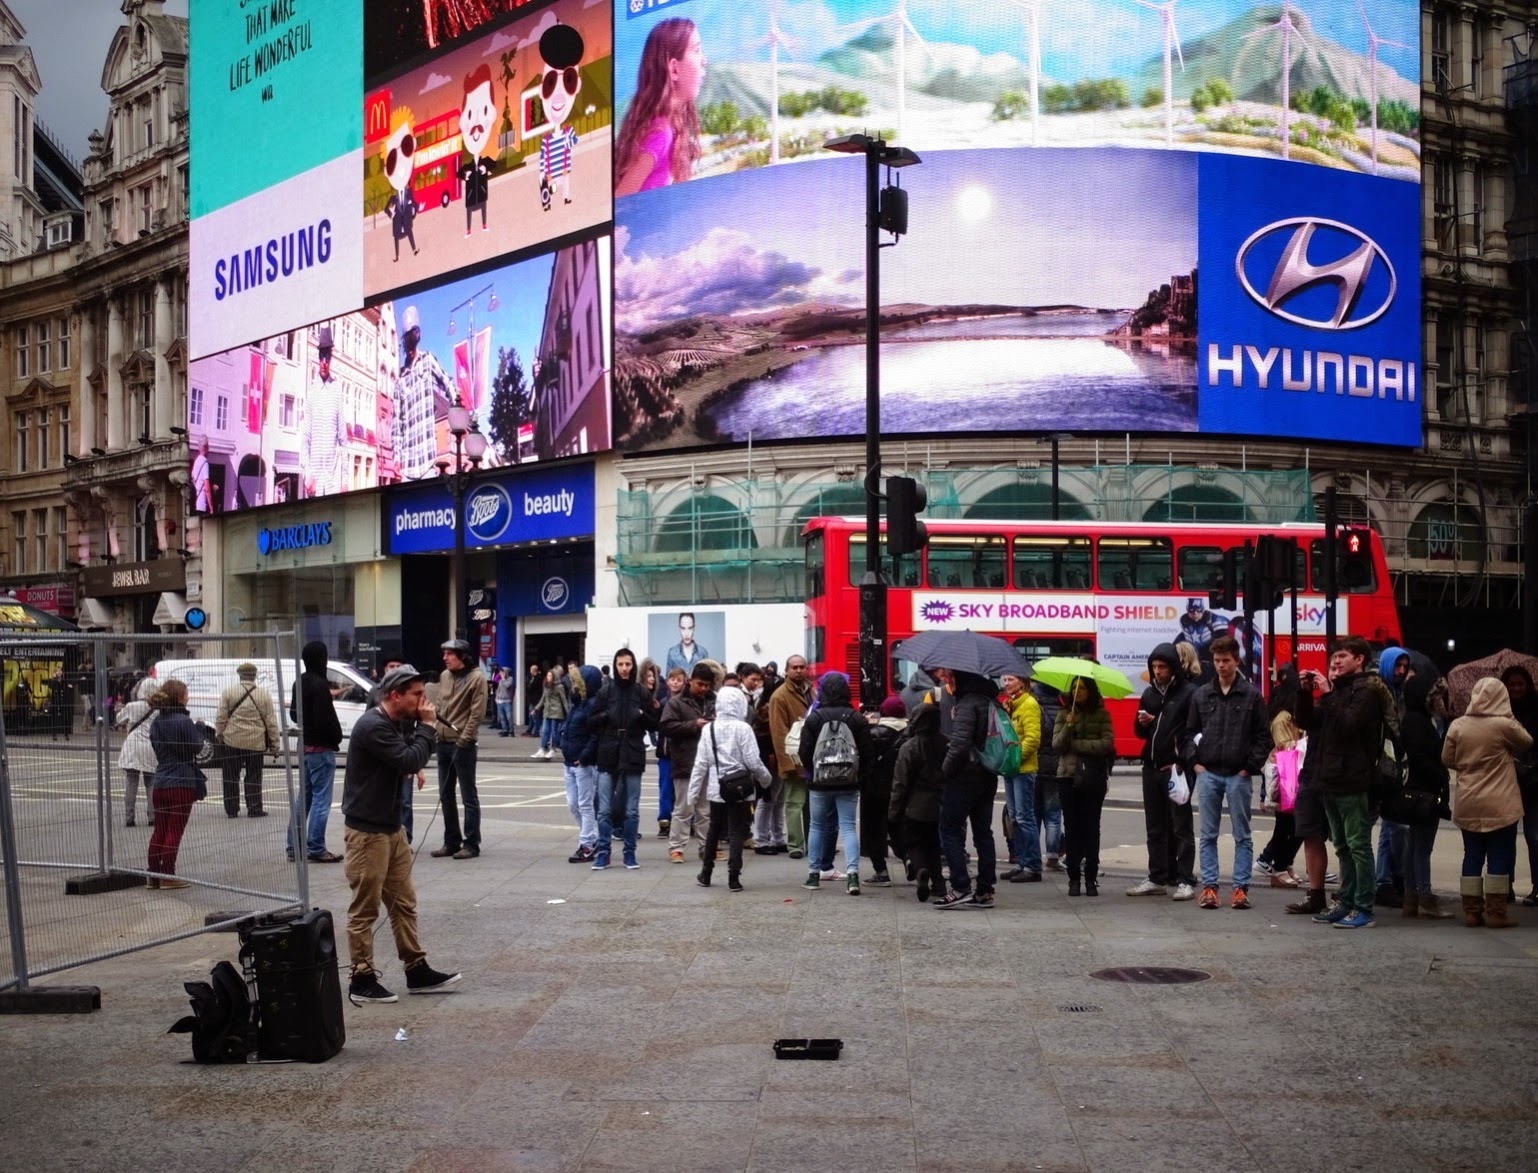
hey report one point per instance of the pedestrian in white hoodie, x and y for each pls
(727, 744)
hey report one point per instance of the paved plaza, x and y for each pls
(625, 1020)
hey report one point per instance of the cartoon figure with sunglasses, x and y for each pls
(561, 48)
(398, 168)
(477, 117)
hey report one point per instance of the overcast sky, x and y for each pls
(69, 40)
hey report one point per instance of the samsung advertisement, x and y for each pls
(1128, 218)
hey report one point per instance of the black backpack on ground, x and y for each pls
(222, 1024)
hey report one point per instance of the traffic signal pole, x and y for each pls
(1331, 588)
(872, 587)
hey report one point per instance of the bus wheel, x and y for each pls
(443, 200)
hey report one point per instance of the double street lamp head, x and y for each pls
(862, 144)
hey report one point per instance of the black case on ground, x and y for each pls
(299, 993)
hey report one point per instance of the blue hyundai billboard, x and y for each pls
(551, 503)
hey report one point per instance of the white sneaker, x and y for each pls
(1264, 867)
(831, 874)
(1184, 892)
(1146, 887)
(538, 755)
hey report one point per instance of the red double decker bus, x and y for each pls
(1108, 591)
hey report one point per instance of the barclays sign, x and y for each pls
(293, 537)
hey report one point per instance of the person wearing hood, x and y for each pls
(322, 732)
(1426, 775)
(969, 789)
(1482, 748)
(918, 781)
(728, 744)
(1524, 707)
(833, 783)
(1395, 666)
(579, 754)
(624, 712)
(461, 706)
(1161, 723)
(919, 686)
(137, 757)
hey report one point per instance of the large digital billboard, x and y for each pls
(1129, 217)
(363, 399)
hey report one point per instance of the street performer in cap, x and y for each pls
(391, 741)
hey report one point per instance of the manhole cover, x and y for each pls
(1151, 975)
(1079, 1008)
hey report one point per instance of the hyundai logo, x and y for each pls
(488, 513)
(1350, 259)
(552, 596)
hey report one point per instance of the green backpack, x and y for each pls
(1000, 752)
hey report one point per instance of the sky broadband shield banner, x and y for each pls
(277, 139)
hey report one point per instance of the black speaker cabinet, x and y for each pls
(299, 992)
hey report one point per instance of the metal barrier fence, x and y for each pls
(87, 875)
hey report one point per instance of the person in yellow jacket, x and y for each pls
(1020, 789)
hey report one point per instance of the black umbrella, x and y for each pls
(964, 651)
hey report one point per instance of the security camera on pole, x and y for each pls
(886, 209)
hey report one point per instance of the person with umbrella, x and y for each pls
(969, 788)
(1085, 744)
(1524, 707)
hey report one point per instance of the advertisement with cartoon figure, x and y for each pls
(492, 146)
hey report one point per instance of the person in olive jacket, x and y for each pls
(623, 713)
(1082, 730)
(177, 783)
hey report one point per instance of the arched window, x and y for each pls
(705, 522)
(1197, 503)
(830, 501)
(1026, 502)
(1444, 532)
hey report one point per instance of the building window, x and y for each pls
(40, 538)
(1477, 60)
(60, 537)
(42, 437)
(19, 543)
(23, 422)
(182, 186)
(65, 358)
(145, 398)
(144, 206)
(1441, 50)
(1443, 197)
(23, 354)
(108, 228)
(64, 437)
(222, 414)
(195, 408)
(179, 305)
(146, 318)
(146, 546)
(44, 347)
(286, 412)
(147, 123)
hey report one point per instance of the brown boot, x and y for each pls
(1497, 896)
(1411, 905)
(1309, 905)
(1431, 907)
(1472, 889)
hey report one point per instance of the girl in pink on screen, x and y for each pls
(659, 141)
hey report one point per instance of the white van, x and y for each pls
(206, 681)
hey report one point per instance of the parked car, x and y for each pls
(206, 680)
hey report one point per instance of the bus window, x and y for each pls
(1051, 564)
(1316, 571)
(1201, 568)
(815, 566)
(966, 560)
(1039, 647)
(1134, 564)
(904, 571)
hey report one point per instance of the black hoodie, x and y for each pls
(965, 724)
(321, 727)
(1164, 735)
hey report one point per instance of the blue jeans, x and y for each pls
(505, 716)
(456, 766)
(834, 813)
(1020, 793)
(1415, 844)
(581, 782)
(314, 806)
(968, 800)
(665, 796)
(550, 733)
(1389, 837)
(618, 792)
(1049, 812)
(1492, 852)
(1211, 790)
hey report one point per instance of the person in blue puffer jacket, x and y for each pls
(579, 751)
(177, 782)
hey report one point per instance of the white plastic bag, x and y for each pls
(1179, 788)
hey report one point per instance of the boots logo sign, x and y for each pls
(488, 513)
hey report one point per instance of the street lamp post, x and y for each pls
(1054, 439)
(873, 654)
(469, 445)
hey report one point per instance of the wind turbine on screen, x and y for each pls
(774, 40)
(1166, 11)
(1373, 41)
(903, 28)
(1032, 10)
(1285, 24)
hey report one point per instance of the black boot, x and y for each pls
(703, 879)
(734, 881)
(1091, 888)
(1073, 882)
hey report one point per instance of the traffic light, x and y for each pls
(1225, 596)
(905, 500)
(1355, 558)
